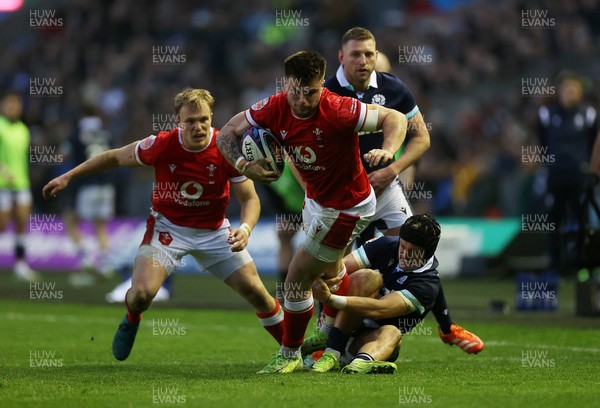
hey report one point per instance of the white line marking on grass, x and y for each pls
(48, 318)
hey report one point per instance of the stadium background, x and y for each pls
(478, 70)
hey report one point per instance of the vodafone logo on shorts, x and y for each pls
(165, 238)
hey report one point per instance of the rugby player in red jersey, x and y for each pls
(318, 130)
(188, 214)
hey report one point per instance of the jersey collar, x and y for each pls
(344, 82)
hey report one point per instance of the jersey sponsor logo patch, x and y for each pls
(172, 167)
(401, 279)
(191, 190)
(165, 238)
(147, 142)
(260, 104)
(284, 134)
(378, 99)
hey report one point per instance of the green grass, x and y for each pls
(211, 358)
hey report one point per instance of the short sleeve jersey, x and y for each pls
(385, 90)
(420, 286)
(324, 147)
(192, 186)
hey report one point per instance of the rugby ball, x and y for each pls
(259, 143)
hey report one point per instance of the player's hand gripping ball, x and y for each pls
(259, 143)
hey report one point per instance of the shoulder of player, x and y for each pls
(336, 102)
(383, 243)
(388, 81)
(332, 83)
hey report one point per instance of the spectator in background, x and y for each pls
(94, 197)
(569, 135)
(15, 195)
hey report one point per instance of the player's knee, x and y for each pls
(143, 293)
(365, 282)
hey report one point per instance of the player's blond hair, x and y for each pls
(195, 97)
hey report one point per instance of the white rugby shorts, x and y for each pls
(167, 243)
(329, 231)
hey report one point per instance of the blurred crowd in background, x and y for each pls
(129, 58)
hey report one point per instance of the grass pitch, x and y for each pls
(57, 354)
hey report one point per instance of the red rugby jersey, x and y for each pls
(324, 147)
(191, 187)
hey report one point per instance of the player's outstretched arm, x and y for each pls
(391, 305)
(124, 156)
(250, 211)
(228, 142)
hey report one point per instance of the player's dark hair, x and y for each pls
(358, 34)
(305, 66)
(423, 231)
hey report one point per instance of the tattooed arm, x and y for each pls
(228, 142)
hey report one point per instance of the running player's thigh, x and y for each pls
(148, 274)
(305, 268)
(245, 281)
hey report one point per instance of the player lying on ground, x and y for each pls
(318, 129)
(188, 214)
(356, 77)
(385, 303)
